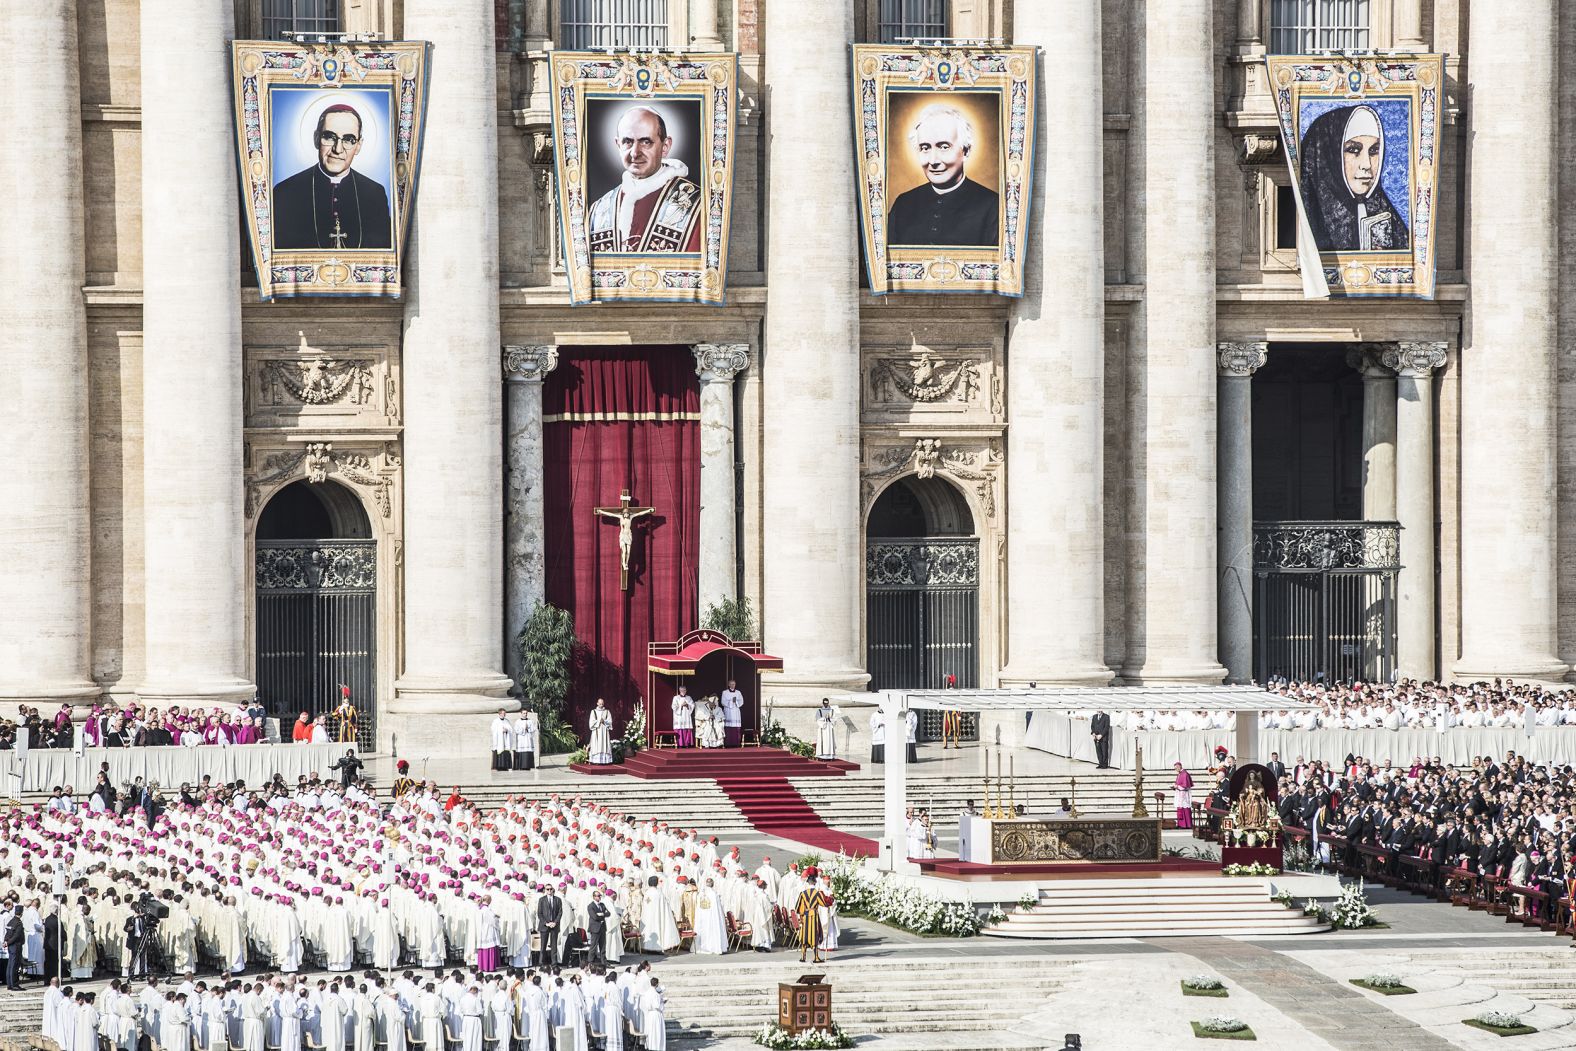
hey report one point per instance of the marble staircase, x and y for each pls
(1167, 907)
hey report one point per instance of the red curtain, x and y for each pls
(621, 418)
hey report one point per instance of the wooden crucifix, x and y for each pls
(625, 515)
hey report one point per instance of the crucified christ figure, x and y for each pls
(625, 515)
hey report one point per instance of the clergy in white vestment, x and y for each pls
(53, 998)
(363, 1019)
(684, 718)
(331, 1020)
(471, 1011)
(431, 1009)
(732, 715)
(877, 736)
(826, 730)
(703, 725)
(533, 1006)
(289, 934)
(216, 1023)
(770, 876)
(339, 944)
(66, 1021)
(292, 1011)
(86, 1036)
(391, 1022)
(659, 931)
(502, 742)
(711, 923)
(254, 1018)
(385, 938)
(600, 750)
(524, 742)
(653, 1020)
(500, 1017)
(33, 930)
(572, 1020)
(489, 934)
(611, 1006)
(175, 1025)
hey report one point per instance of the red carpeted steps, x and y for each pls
(671, 763)
(776, 808)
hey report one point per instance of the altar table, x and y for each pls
(1096, 837)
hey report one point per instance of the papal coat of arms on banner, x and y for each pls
(643, 160)
(329, 144)
(944, 140)
(1362, 141)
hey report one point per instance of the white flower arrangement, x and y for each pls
(1222, 1024)
(1028, 902)
(1351, 910)
(776, 1037)
(887, 899)
(1499, 1020)
(1255, 869)
(1203, 981)
(1384, 980)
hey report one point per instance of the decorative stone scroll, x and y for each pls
(1242, 359)
(720, 362)
(978, 468)
(1415, 359)
(317, 461)
(532, 362)
(924, 378)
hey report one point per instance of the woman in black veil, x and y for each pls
(1342, 161)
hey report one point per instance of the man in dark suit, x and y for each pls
(1276, 767)
(549, 918)
(596, 926)
(1100, 730)
(14, 940)
(331, 205)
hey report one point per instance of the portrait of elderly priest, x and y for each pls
(949, 208)
(654, 208)
(330, 205)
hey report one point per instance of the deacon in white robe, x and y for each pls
(600, 750)
(431, 1009)
(711, 924)
(826, 730)
(331, 1019)
(86, 1036)
(175, 1026)
(502, 742)
(533, 1004)
(653, 1021)
(471, 1010)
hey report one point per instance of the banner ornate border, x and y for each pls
(662, 277)
(879, 68)
(1419, 78)
(401, 67)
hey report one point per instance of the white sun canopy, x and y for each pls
(1101, 698)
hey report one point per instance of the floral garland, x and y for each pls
(775, 1036)
(888, 899)
(1255, 869)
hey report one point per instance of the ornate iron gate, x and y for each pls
(317, 629)
(1324, 600)
(922, 618)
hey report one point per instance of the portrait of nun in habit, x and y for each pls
(1342, 190)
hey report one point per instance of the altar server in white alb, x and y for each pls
(826, 730)
(877, 737)
(502, 742)
(600, 750)
(733, 715)
(911, 719)
(684, 718)
(525, 740)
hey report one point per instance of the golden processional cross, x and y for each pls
(625, 515)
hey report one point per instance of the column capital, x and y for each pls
(720, 362)
(1369, 361)
(1416, 360)
(529, 363)
(1242, 359)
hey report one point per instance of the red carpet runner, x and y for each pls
(776, 808)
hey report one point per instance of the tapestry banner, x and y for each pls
(1362, 142)
(944, 145)
(643, 162)
(328, 138)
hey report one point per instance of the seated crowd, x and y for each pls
(324, 874)
(112, 724)
(1501, 830)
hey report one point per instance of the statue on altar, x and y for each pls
(1252, 821)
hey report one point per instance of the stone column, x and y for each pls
(1414, 364)
(196, 576)
(703, 26)
(1173, 615)
(1056, 376)
(45, 611)
(1407, 26)
(1378, 433)
(1234, 488)
(1509, 565)
(525, 569)
(717, 364)
(453, 595)
(813, 563)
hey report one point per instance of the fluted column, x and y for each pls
(1379, 478)
(453, 596)
(1234, 485)
(1509, 569)
(812, 561)
(45, 611)
(1173, 605)
(191, 359)
(1408, 25)
(1056, 372)
(1414, 364)
(525, 566)
(717, 364)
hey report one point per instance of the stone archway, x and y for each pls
(316, 605)
(922, 588)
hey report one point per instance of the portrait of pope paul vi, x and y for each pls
(654, 208)
(330, 205)
(949, 208)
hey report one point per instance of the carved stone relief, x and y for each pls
(974, 465)
(373, 468)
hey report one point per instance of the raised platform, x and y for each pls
(1177, 907)
(952, 868)
(658, 764)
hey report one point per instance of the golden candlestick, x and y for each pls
(1072, 800)
(1012, 786)
(1138, 782)
(1001, 811)
(989, 813)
